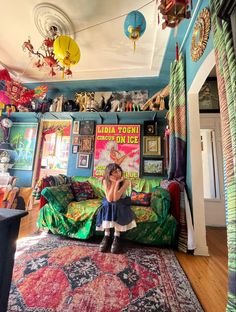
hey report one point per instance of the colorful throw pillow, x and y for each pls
(140, 198)
(82, 191)
(59, 196)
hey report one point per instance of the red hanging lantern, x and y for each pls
(174, 11)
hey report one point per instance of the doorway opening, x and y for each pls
(209, 164)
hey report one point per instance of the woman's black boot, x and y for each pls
(105, 243)
(116, 245)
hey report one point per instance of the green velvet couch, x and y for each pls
(63, 215)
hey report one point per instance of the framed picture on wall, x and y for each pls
(86, 127)
(76, 127)
(83, 160)
(75, 140)
(208, 97)
(75, 149)
(86, 143)
(23, 138)
(152, 146)
(150, 127)
(152, 167)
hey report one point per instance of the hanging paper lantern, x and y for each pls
(134, 26)
(66, 51)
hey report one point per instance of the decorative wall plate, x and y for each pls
(200, 35)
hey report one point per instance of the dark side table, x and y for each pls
(9, 230)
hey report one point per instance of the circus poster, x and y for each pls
(118, 144)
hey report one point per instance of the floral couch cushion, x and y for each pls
(140, 198)
(82, 190)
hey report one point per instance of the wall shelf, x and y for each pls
(100, 117)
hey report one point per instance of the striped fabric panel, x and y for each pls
(226, 77)
(177, 139)
(183, 235)
(177, 121)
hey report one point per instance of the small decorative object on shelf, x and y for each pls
(200, 35)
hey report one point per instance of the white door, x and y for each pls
(212, 164)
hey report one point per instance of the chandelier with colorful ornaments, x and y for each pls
(58, 51)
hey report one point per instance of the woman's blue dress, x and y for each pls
(117, 214)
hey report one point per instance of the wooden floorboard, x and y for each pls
(207, 275)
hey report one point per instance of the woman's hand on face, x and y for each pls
(113, 179)
(120, 180)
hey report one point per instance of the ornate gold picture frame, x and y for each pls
(152, 146)
(86, 143)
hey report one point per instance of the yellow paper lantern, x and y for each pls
(66, 51)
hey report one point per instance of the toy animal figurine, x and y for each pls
(83, 100)
(129, 107)
(57, 104)
(136, 107)
(108, 105)
(70, 106)
(157, 99)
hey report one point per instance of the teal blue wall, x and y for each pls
(191, 71)
(24, 177)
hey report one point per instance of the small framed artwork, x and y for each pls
(75, 149)
(208, 97)
(86, 143)
(83, 160)
(86, 127)
(76, 127)
(75, 140)
(150, 127)
(153, 167)
(152, 146)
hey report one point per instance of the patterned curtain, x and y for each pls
(226, 79)
(177, 139)
(177, 122)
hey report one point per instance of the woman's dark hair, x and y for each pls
(108, 171)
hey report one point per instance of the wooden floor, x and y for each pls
(207, 275)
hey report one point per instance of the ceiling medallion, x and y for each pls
(200, 35)
(47, 16)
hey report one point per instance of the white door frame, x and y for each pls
(195, 154)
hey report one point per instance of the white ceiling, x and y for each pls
(105, 50)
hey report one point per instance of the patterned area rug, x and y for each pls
(52, 273)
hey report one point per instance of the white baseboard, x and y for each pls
(201, 251)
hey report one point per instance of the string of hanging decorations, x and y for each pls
(60, 52)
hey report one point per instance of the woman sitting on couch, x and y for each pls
(115, 211)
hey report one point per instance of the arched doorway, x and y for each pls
(194, 150)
